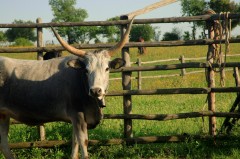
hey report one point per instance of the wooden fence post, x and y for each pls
(39, 40)
(183, 70)
(41, 129)
(139, 75)
(211, 77)
(126, 84)
(236, 76)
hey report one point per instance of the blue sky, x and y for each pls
(97, 10)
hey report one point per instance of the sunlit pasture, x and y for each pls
(154, 104)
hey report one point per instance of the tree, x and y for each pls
(186, 35)
(225, 6)
(157, 33)
(145, 31)
(14, 33)
(64, 11)
(175, 34)
(197, 7)
(193, 8)
(112, 33)
(22, 42)
(2, 36)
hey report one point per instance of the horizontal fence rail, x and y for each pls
(130, 44)
(123, 22)
(175, 66)
(183, 72)
(175, 91)
(164, 117)
(177, 59)
(134, 140)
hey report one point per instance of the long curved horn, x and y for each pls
(68, 47)
(120, 44)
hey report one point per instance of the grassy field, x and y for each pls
(156, 104)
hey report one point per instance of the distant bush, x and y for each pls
(22, 42)
(145, 31)
(175, 34)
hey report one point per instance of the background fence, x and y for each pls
(182, 72)
(127, 93)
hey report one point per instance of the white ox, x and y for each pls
(69, 89)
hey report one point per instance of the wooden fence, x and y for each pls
(127, 93)
(183, 71)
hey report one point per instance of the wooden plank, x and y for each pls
(225, 89)
(124, 22)
(173, 67)
(165, 117)
(39, 39)
(211, 76)
(139, 140)
(139, 78)
(175, 91)
(183, 70)
(150, 8)
(42, 144)
(41, 129)
(126, 85)
(236, 76)
(135, 140)
(104, 46)
(161, 91)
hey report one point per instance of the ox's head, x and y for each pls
(97, 63)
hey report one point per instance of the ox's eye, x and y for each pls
(107, 69)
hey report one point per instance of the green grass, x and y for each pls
(155, 104)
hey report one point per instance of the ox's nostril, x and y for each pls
(99, 91)
(96, 92)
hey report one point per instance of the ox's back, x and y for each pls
(42, 91)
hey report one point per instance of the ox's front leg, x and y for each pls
(80, 136)
(75, 146)
(4, 127)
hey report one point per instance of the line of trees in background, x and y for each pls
(198, 7)
(65, 11)
(19, 36)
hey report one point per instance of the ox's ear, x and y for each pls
(76, 63)
(117, 63)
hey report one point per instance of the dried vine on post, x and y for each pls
(220, 30)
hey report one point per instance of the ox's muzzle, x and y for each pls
(96, 92)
